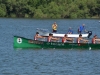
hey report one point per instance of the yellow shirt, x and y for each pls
(54, 26)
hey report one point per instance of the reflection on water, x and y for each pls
(45, 62)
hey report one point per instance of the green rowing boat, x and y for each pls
(24, 43)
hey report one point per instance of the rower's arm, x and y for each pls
(97, 39)
(55, 38)
(84, 40)
(70, 39)
(40, 37)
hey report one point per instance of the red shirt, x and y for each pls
(78, 40)
(63, 40)
(93, 41)
(49, 39)
(35, 37)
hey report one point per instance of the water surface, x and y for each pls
(46, 62)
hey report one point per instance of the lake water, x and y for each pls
(46, 62)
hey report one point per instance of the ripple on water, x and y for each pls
(45, 62)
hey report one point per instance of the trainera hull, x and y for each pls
(24, 43)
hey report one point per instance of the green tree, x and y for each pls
(50, 8)
(2, 10)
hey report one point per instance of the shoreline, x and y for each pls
(52, 18)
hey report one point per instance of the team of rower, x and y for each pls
(65, 39)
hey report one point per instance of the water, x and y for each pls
(46, 62)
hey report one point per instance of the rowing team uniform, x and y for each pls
(93, 41)
(78, 41)
(63, 40)
(36, 37)
(49, 39)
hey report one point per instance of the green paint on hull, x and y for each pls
(20, 42)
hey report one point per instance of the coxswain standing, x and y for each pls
(54, 27)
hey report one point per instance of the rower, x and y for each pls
(51, 38)
(79, 39)
(37, 36)
(95, 39)
(66, 39)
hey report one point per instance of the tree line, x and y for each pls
(50, 8)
